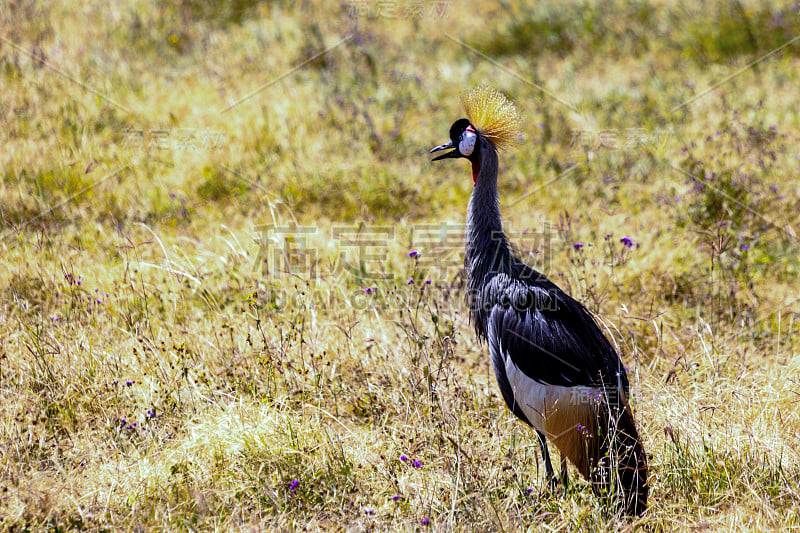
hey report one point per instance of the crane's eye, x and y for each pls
(467, 142)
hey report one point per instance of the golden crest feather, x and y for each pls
(494, 115)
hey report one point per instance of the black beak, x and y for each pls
(445, 146)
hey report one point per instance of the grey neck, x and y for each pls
(487, 249)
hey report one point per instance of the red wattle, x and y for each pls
(476, 167)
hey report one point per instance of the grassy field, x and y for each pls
(212, 318)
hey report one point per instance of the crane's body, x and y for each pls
(555, 369)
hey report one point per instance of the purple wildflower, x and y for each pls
(427, 282)
(294, 485)
(410, 281)
(403, 458)
(396, 497)
(413, 253)
(416, 463)
(745, 247)
(129, 383)
(627, 242)
(578, 245)
(424, 521)
(369, 511)
(368, 290)
(527, 491)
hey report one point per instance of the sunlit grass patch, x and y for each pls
(230, 281)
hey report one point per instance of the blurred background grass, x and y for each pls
(156, 372)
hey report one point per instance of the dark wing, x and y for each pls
(550, 336)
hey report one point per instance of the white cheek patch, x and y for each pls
(467, 144)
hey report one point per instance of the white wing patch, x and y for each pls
(571, 417)
(543, 403)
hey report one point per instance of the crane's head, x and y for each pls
(463, 138)
(491, 117)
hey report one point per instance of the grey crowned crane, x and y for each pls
(556, 370)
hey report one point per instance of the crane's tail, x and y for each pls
(621, 472)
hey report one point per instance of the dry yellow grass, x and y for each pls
(159, 162)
